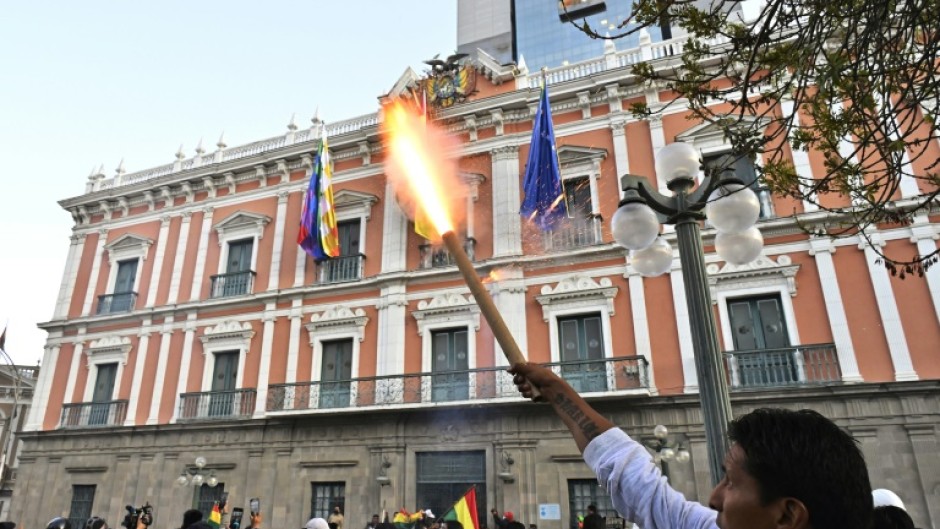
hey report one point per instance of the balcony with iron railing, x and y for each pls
(232, 404)
(232, 284)
(573, 233)
(93, 414)
(433, 256)
(341, 269)
(116, 302)
(608, 375)
(799, 365)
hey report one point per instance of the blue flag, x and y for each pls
(318, 234)
(544, 202)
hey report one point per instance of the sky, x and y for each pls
(98, 81)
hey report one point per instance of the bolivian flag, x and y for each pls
(215, 517)
(465, 511)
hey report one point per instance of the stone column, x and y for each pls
(822, 249)
(507, 226)
(293, 344)
(888, 309)
(37, 412)
(800, 157)
(264, 369)
(180, 258)
(158, 261)
(280, 216)
(395, 234)
(390, 357)
(69, 275)
(73, 368)
(185, 361)
(140, 366)
(641, 328)
(166, 334)
(93, 276)
(621, 158)
(684, 330)
(510, 299)
(200, 268)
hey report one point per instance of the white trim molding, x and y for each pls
(578, 294)
(237, 226)
(126, 248)
(447, 311)
(107, 350)
(226, 336)
(336, 323)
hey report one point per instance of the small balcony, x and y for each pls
(439, 256)
(800, 365)
(607, 375)
(341, 269)
(571, 234)
(116, 303)
(234, 404)
(93, 414)
(232, 284)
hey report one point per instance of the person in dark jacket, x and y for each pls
(593, 520)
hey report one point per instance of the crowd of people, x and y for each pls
(784, 469)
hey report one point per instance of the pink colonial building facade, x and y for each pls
(189, 324)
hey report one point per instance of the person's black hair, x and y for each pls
(59, 523)
(7, 525)
(96, 523)
(592, 508)
(190, 517)
(803, 455)
(891, 517)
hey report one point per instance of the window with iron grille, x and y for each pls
(584, 492)
(444, 477)
(326, 496)
(204, 497)
(83, 496)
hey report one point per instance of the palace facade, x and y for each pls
(189, 325)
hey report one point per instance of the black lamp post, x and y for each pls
(732, 209)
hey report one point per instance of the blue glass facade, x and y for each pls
(543, 39)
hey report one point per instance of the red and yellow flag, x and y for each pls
(465, 511)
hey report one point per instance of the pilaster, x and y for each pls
(641, 328)
(925, 236)
(822, 249)
(392, 305)
(158, 262)
(395, 234)
(510, 300)
(185, 361)
(196, 290)
(621, 158)
(684, 330)
(37, 412)
(69, 276)
(264, 368)
(166, 334)
(293, 344)
(93, 276)
(180, 258)
(804, 170)
(280, 216)
(140, 367)
(507, 226)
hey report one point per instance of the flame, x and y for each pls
(418, 167)
(495, 275)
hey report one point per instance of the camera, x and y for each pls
(143, 514)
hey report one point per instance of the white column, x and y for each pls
(293, 344)
(395, 234)
(621, 158)
(37, 411)
(93, 277)
(165, 335)
(279, 219)
(201, 254)
(929, 108)
(888, 309)
(510, 300)
(180, 258)
(907, 183)
(185, 361)
(800, 157)
(140, 366)
(391, 330)
(658, 141)
(158, 261)
(684, 329)
(68, 276)
(641, 328)
(925, 236)
(264, 369)
(73, 372)
(300, 268)
(822, 249)
(507, 225)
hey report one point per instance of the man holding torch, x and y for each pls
(785, 469)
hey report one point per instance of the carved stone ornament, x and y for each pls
(339, 319)
(762, 271)
(234, 333)
(128, 246)
(108, 348)
(446, 308)
(577, 291)
(241, 223)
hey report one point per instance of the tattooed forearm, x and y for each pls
(588, 427)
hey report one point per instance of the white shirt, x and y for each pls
(639, 491)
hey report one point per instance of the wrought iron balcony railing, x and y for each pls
(340, 269)
(93, 414)
(437, 256)
(234, 404)
(589, 376)
(573, 233)
(791, 366)
(232, 284)
(116, 302)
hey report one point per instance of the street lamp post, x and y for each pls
(666, 450)
(733, 209)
